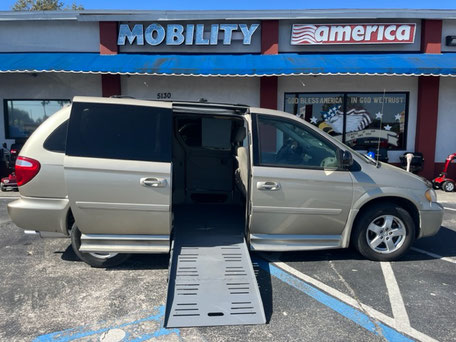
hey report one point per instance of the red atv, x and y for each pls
(9, 183)
(442, 181)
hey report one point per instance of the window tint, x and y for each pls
(284, 143)
(119, 132)
(56, 141)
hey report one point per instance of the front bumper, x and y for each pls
(40, 214)
(431, 220)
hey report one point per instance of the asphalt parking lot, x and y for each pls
(46, 294)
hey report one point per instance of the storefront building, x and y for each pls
(371, 78)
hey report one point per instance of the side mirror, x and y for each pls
(347, 159)
(5, 145)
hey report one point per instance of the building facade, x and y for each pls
(371, 78)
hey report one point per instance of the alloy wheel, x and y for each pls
(386, 234)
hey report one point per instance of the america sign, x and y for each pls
(321, 34)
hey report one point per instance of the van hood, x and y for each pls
(389, 175)
(393, 168)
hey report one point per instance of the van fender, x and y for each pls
(369, 196)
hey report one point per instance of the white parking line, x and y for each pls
(353, 302)
(397, 303)
(446, 208)
(436, 256)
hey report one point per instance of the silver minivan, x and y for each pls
(116, 175)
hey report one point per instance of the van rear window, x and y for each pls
(56, 141)
(119, 132)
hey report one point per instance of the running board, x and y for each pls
(117, 243)
(212, 282)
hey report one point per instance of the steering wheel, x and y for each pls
(328, 161)
(291, 152)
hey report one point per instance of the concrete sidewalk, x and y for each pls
(446, 197)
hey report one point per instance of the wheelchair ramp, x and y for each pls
(211, 278)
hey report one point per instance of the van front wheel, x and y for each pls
(384, 232)
(98, 260)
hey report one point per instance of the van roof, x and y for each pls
(178, 106)
(185, 106)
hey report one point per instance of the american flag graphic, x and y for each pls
(357, 119)
(303, 34)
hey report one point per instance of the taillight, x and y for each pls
(13, 151)
(26, 169)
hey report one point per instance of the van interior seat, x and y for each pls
(241, 175)
(242, 158)
(209, 162)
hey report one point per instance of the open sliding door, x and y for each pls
(118, 174)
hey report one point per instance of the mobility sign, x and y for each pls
(326, 34)
(190, 34)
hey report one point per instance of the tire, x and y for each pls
(2, 188)
(383, 232)
(95, 259)
(448, 186)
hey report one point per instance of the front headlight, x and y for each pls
(430, 195)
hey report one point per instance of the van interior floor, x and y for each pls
(211, 278)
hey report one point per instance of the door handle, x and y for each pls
(153, 182)
(270, 186)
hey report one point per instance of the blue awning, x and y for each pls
(233, 65)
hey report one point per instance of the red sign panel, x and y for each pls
(321, 34)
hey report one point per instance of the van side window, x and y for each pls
(56, 141)
(117, 131)
(285, 143)
(208, 133)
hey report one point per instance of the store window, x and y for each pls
(361, 120)
(22, 117)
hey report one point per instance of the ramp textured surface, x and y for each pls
(211, 279)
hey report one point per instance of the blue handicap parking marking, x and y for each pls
(137, 330)
(345, 310)
(130, 328)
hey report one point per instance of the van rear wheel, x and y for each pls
(98, 260)
(384, 232)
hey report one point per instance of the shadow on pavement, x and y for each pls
(263, 277)
(323, 255)
(135, 262)
(443, 243)
(144, 262)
